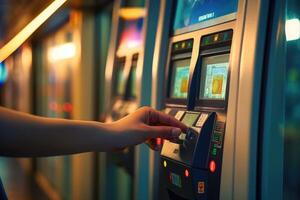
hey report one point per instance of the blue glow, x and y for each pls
(3, 73)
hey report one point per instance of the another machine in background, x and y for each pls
(17, 88)
(192, 165)
(121, 66)
(64, 89)
(59, 57)
(127, 87)
(124, 84)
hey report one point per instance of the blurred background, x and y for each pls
(79, 59)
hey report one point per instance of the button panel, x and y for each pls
(179, 114)
(220, 126)
(167, 110)
(217, 139)
(201, 119)
(182, 136)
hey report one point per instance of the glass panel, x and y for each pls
(292, 107)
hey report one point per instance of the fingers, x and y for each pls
(160, 118)
(164, 132)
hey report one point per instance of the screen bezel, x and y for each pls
(212, 103)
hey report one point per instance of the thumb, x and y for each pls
(165, 132)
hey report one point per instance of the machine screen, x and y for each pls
(180, 78)
(191, 12)
(189, 119)
(131, 37)
(214, 75)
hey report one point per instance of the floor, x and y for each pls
(17, 184)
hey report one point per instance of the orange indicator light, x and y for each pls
(212, 166)
(186, 173)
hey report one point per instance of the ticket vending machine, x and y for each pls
(120, 165)
(216, 61)
(196, 89)
(192, 164)
(127, 87)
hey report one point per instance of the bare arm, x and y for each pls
(27, 135)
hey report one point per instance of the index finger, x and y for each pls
(160, 118)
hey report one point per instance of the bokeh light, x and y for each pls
(3, 73)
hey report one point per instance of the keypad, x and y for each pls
(201, 119)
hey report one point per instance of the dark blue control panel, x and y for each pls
(192, 164)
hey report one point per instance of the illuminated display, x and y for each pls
(180, 79)
(191, 12)
(214, 77)
(131, 37)
(175, 179)
(190, 118)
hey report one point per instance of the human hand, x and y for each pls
(146, 125)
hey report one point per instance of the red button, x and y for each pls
(158, 141)
(212, 166)
(68, 107)
(186, 173)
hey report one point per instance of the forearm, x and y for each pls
(27, 135)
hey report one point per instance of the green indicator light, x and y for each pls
(176, 46)
(214, 151)
(216, 137)
(206, 41)
(215, 145)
